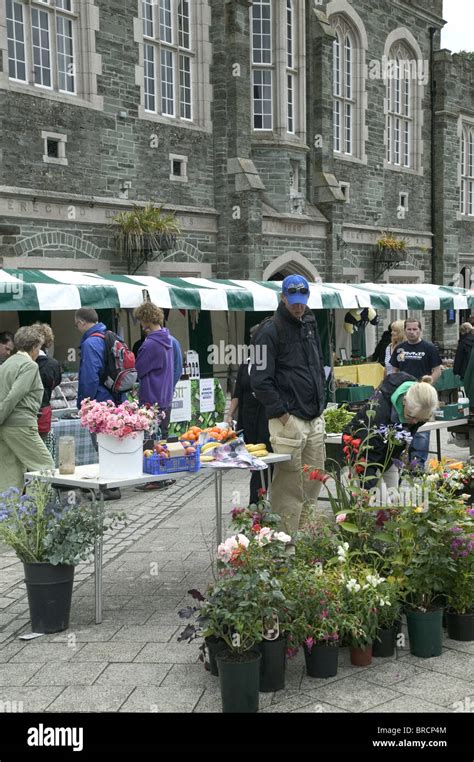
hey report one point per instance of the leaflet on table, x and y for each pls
(235, 455)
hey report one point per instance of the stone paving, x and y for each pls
(132, 662)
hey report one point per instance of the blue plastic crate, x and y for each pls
(158, 464)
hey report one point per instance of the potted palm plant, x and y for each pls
(50, 537)
(143, 231)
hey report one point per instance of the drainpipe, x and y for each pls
(432, 31)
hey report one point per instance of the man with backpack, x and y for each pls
(106, 369)
(289, 381)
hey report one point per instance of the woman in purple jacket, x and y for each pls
(154, 364)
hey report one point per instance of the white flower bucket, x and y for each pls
(120, 458)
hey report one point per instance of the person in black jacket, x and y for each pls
(289, 381)
(251, 419)
(50, 372)
(463, 351)
(400, 399)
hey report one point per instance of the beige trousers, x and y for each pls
(292, 490)
(21, 449)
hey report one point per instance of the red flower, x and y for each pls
(382, 517)
(262, 492)
(256, 528)
(305, 467)
(346, 438)
(318, 476)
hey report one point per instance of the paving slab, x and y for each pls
(134, 674)
(64, 674)
(162, 700)
(90, 698)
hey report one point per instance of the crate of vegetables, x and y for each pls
(171, 458)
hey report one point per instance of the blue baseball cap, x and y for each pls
(296, 289)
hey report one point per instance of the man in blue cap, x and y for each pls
(290, 383)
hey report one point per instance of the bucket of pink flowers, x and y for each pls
(120, 431)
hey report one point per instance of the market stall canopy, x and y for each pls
(69, 290)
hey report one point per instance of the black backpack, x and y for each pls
(119, 374)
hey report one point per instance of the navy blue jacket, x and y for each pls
(91, 366)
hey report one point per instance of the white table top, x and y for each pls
(430, 426)
(87, 477)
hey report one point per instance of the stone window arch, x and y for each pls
(292, 263)
(403, 69)
(349, 81)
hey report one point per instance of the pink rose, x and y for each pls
(341, 517)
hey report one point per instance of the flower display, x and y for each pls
(40, 528)
(117, 420)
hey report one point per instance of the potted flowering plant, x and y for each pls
(119, 430)
(50, 537)
(389, 613)
(262, 557)
(421, 535)
(460, 588)
(317, 616)
(362, 601)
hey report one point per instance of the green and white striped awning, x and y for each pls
(69, 290)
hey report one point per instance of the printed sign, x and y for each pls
(206, 395)
(181, 407)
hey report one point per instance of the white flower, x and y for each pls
(341, 549)
(345, 545)
(282, 537)
(353, 586)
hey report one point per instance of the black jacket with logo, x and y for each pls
(290, 378)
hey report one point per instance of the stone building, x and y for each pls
(285, 134)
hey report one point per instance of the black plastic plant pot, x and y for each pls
(321, 660)
(239, 677)
(425, 632)
(272, 665)
(385, 640)
(49, 590)
(460, 626)
(214, 646)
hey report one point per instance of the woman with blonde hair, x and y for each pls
(21, 393)
(400, 402)
(397, 334)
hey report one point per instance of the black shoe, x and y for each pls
(151, 486)
(111, 494)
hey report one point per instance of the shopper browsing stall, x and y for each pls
(290, 383)
(21, 394)
(400, 399)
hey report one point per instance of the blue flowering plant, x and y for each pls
(40, 527)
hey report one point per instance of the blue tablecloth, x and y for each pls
(85, 452)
